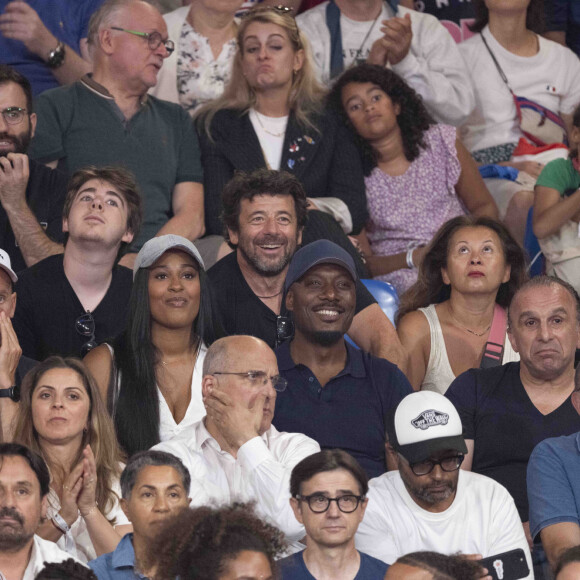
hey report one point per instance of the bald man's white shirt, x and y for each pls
(260, 473)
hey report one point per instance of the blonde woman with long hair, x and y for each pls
(63, 418)
(272, 115)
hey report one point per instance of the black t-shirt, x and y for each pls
(47, 309)
(242, 312)
(505, 425)
(45, 194)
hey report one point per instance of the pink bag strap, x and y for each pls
(493, 353)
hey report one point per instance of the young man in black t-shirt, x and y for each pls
(70, 302)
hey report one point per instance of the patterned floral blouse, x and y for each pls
(200, 77)
(410, 208)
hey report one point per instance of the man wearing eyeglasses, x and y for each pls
(328, 496)
(107, 118)
(234, 453)
(429, 503)
(31, 195)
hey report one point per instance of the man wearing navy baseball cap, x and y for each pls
(337, 394)
(429, 503)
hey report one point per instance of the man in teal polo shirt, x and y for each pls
(107, 118)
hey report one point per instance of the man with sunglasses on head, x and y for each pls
(69, 303)
(429, 503)
(235, 453)
(31, 194)
(107, 118)
(328, 497)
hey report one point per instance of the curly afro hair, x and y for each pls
(413, 120)
(198, 544)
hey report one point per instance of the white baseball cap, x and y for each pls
(7, 266)
(426, 423)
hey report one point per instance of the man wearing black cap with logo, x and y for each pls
(338, 395)
(429, 503)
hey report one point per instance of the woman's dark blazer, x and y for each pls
(327, 163)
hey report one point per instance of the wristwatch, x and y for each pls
(11, 393)
(56, 56)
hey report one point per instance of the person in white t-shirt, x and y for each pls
(416, 46)
(24, 487)
(535, 68)
(429, 503)
(235, 454)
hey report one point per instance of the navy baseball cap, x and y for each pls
(314, 254)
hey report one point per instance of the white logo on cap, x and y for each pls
(430, 418)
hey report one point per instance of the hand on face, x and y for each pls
(10, 352)
(14, 174)
(236, 422)
(397, 37)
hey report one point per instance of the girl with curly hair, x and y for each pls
(418, 175)
(217, 544)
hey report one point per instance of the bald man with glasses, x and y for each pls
(234, 453)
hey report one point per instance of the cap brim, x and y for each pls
(416, 452)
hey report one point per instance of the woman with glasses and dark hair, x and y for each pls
(471, 267)
(417, 173)
(150, 375)
(62, 417)
(218, 544)
(272, 115)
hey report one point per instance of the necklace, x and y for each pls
(358, 59)
(479, 334)
(269, 133)
(273, 295)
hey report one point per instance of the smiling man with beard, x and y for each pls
(429, 503)
(235, 453)
(337, 394)
(24, 487)
(31, 195)
(265, 212)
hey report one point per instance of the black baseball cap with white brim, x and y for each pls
(426, 423)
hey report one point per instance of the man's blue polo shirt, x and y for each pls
(350, 412)
(553, 476)
(117, 565)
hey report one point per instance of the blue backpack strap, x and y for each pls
(394, 4)
(333, 24)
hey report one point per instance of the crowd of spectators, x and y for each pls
(266, 308)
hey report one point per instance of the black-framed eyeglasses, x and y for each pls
(13, 115)
(154, 39)
(260, 379)
(284, 329)
(319, 503)
(85, 326)
(448, 464)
